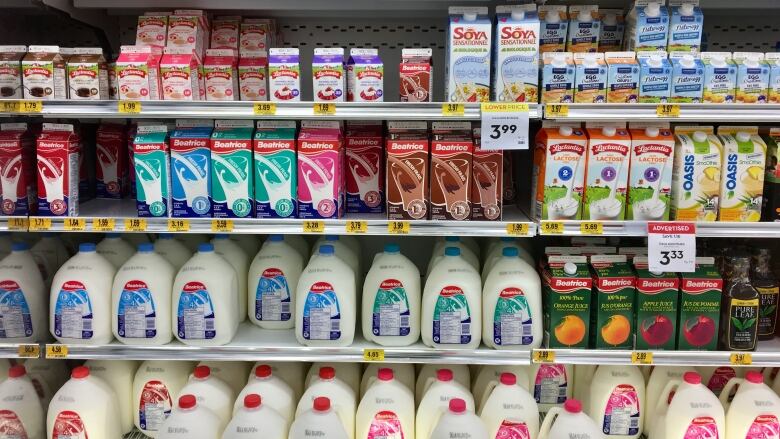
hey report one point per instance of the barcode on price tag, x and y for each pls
(671, 247)
(504, 126)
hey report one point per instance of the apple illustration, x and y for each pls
(656, 330)
(698, 331)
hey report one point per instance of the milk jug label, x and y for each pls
(621, 416)
(513, 430)
(154, 406)
(764, 426)
(550, 384)
(321, 313)
(719, 378)
(195, 312)
(15, 318)
(68, 425)
(391, 309)
(136, 314)
(272, 299)
(452, 317)
(73, 311)
(11, 426)
(385, 425)
(512, 318)
(702, 427)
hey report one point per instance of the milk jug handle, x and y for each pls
(663, 398)
(488, 391)
(544, 430)
(724, 394)
(428, 383)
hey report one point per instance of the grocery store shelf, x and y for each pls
(752, 113)
(703, 229)
(19, 350)
(255, 344)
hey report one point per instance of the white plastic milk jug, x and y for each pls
(489, 377)
(318, 421)
(119, 375)
(231, 372)
(391, 300)
(205, 300)
(157, 384)
(617, 401)
(273, 280)
(341, 396)
(429, 373)
(250, 244)
(693, 412)
(21, 411)
(386, 410)
(459, 422)
(434, 401)
(5, 244)
(255, 418)
(192, 240)
(239, 260)
(172, 249)
(349, 373)
(293, 373)
(495, 250)
(85, 406)
(49, 253)
(510, 411)
(582, 377)
(115, 249)
(755, 410)
(211, 392)
(300, 245)
(191, 420)
(402, 373)
(438, 253)
(569, 421)
(80, 308)
(343, 251)
(47, 376)
(22, 297)
(278, 395)
(655, 385)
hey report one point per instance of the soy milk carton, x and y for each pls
(752, 77)
(365, 76)
(151, 162)
(720, 77)
(17, 170)
(467, 65)
(320, 170)
(606, 177)
(590, 78)
(655, 77)
(58, 148)
(773, 59)
(742, 174)
(686, 26)
(553, 28)
(567, 301)
(622, 77)
(284, 75)
(584, 28)
(614, 293)
(648, 26)
(275, 170)
(650, 176)
(180, 75)
(696, 175)
(687, 78)
(231, 169)
(516, 66)
(558, 172)
(191, 168)
(558, 76)
(328, 75)
(612, 30)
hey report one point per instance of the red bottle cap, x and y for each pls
(201, 372)
(17, 371)
(252, 400)
(263, 371)
(385, 374)
(457, 405)
(508, 379)
(187, 401)
(692, 378)
(444, 375)
(321, 404)
(80, 372)
(754, 377)
(572, 406)
(327, 373)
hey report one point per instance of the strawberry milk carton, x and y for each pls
(112, 168)
(11, 71)
(416, 75)
(486, 181)
(138, 74)
(275, 167)
(88, 74)
(558, 172)
(320, 173)
(151, 163)
(365, 76)
(179, 71)
(17, 170)
(224, 32)
(58, 148)
(328, 75)
(365, 171)
(152, 30)
(254, 34)
(253, 75)
(220, 72)
(452, 150)
(407, 188)
(43, 73)
(231, 169)
(191, 168)
(188, 30)
(284, 75)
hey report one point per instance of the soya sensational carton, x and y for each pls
(467, 64)
(516, 66)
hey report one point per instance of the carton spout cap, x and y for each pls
(470, 16)
(686, 9)
(518, 15)
(584, 17)
(609, 20)
(699, 136)
(552, 17)
(654, 61)
(652, 131)
(742, 136)
(570, 268)
(609, 131)
(653, 9)
(565, 130)
(687, 62)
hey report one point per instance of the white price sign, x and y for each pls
(504, 126)
(671, 247)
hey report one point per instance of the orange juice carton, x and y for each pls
(720, 77)
(11, 71)
(254, 34)
(224, 32)
(220, 72)
(632, 252)
(365, 76)
(612, 30)
(590, 78)
(88, 74)
(742, 174)
(657, 304)
(584, 28)
(328, 75)
(188, 29)
(152, 29)
(622, 77)
(486, 181)
(467, 65)
(614, 293)
(567, 296)
(687, 78)
(284, 75)
(650, 172)
(179, 72)
(43, 73)
(752, 77)
(253, 75)
(655, 77)
(58, 148)
(408, 164)
(696, 175)
(416, 75)
(516, 65)
(320, 170)
(558, 76)
(558, 173)
(554, 26)
(18, 170)
(773, 59)
(365, 180)
(606, 176)
(686, 26)
(452, 151)
(138, 73)
(648, 26)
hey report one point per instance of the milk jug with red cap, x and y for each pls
(754, 413)
(386, 410)
(510, 411)
(276, 394)
(434, 401)
(255, 418)
(459, 422)
(569, 421)
(156, 386)
(341, 395)
(85, 406)
(212, 393)
(319, 420)
(21, 412)
(190, 420)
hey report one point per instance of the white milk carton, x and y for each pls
(650, 176)
(284, 75)
(224, 32)
(220, 73)
(467, 69)
(180, 75)
(742, 176)
(720, 77)
(328, 76)
(188, 29)
(138, 73)
(752, 77)
(686, 26)
(554, 27)
(191, 168)
(365, 76)
(655, 77)
(151, 162)
(253, 75)
(607, 172)
(696, 175)
(648, 26)
(687, 78)
(590, 78)
(58, 149)
(152, 29)
(516, 67)
(584, 28)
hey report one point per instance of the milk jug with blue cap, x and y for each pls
(115, 249)
(172, 250)
(22, 297)
(239, 260)
(273, 280)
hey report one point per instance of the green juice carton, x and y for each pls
(567, 301)
(231, 169)
(699, 315)
(657, 304)
(614, 293)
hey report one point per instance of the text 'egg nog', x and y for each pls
(742, 174)
(696, 175)
(467, 74)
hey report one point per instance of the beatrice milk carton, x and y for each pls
(686, 26)
(584, 29)
(111, 170)
(612, 30)
(231, 169)
(558, 172)
(657, 303)
(516, 64)
(648, 26)
(742, 174)
(191, 168)
(58, 148)
(452, 149)
(567, 301)
(590, 78)
(253, 75)
(284, 75)
(416, 75)
(622, 77)
(486, 182)
(720, 77)
(467, 69)
(17, 170)
(614, 292)
(275, 169)
(558, 78)
(220, 73)
(328, 75)
(407, 148)
(320, 170)
(650, 175)
(752, 77)
(606, 177)
(687, 78)
(700, 297)
(365, 76)
(554, 26)
(151, 159)
(655, 77)
(773, 59)
(696, 175)
(365, 180)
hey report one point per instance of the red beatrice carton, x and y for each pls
(452, 150)
(137, 73)
(58, 148)
(416, 75)
(112, 169)
(486, 182)
(17, 170)
(365, 170)
(407, 162)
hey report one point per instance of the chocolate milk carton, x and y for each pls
(467, 74)
(58, 148)
(179, 71)
(320, 170)
(516, 66)
(224, 32)
(11, 71)
(700, 298)
(191, 168)
(253, 75)
(284, 75)
(365, 180)
(558, 179)
(152, 29)
(328, 75)
(151, 163)
(275, 169)
(17, 170)
(43, 73)
(407, 160)
(365, 76)
(486, 182)
(567, 301)
(137, 71)
(452, 150)
(657, 306)
(416, 75)
(88, 74)
(220, 72)
(112, 168)
(231, 169)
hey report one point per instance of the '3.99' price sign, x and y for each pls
(671, 247)
(504, 126)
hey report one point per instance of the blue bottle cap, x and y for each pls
(510, 252)
(205, 247)
(221, 236)
(146, 247)
(113, 235)
(392, 248)
(452, 251)
(326, 249)
(276, 238)
(331, 238)
(165, 236)
(452, 239)
(86, 247)
(19, 246)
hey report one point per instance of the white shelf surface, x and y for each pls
(744, 113)
(703, 229)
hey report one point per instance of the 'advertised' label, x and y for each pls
(73, 311)
(154, 406)
(452, 317)
(272, 299)
(321, 313)
(15, 320)
(512, 318)
(136, 313)
(391, 309)
(195, 313)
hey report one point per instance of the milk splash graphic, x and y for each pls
(58, 150)
(321, 183)
(364, 180)
(275, 170)
(151, 167)
(17, 170)
(191, 169)
(231, 169)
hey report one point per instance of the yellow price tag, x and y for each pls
(592, 228)
(129, 107)
(18, 224)
(30, 106)
(29, 351)
(38, 224)
(221, 225)
(324, 109)
(74, 224)
(556, 110)
(641, 358)
(453, 109)
(373, 355)
(264, 108)
(517, 229)
(552, 228)
(135, 225)
(667, 110)
(357, 226)
(56, 351)
(178, 225)
(9, 106)
(741, 359)
(103, 224)
(313, 226)
(398, 227)
(543, 356)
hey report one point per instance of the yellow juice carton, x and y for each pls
(554, 27)
(650, 172)
(590, 78)
(622, 77)
(606, 176)
(742, 174)
(752, 77)
(557, 78)
(696, 174)
(720, 77)
(773, 59)
(558, 172)
(584, 28)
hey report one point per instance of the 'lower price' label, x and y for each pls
(671, 247)
(504, 126)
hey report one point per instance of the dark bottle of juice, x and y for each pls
(765, 282)
(739, 306)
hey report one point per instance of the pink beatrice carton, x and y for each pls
(152, 29)
(224, 32)
(179, 72)
(138, 73)
(220, 71)
(17, 170)
(58, 148)
(253, 75)
(320, 174)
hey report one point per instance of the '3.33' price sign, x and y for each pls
(504, 126)
(671, 247)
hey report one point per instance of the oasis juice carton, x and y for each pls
(253, 75)
(152, 30)
(584, 29)
(655, 77)
(612, 30)
(687, 78)
(179, 72)
(416, 75)
(151, 160)
(486, 181)
(284, 75)
(558, 76)
(328, 75)
(452, 150)
(220, 73)
(11, 71)
(275, 169)
(590, 78)
(231, 169)
(700, 299)
(657, 306)
(43, 73)
(686, 26)
(58, 148)
(138, 74)
(622, 77)
(224, 32)
(365, 180)
(696, 174)
(648, 26)
(516, 65)
(614, 293)
(558, 173)
(320, 170)
(606, 176)
(365, 76)
(720, 77)
(17, 170)
(773, 60)
(650, 176)
(742, 175)
(567, 301)
(554, 27)
(191, 168)
(752, 77)
(408, 164)
(467, 64)
(111, 153)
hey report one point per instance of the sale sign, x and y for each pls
(671, 247)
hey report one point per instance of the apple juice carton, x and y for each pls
(558, 78)
(622, 77)
(606, 178)
(284, 75)
(467, 65)
(152, 30)
(11, 71)
(567, 298)
(407, 161)
(516, 54)
(87, 74)
(657, 305)
(365, 76)
(17, 170)
(696, 175)
(320, 170)
(614, 293)
(584, 28)
(416, 75)
(558, 173)
(58, 148)
(151, 162)
(655, 77)
(554, 26)
(365, 180)
(187, 29)
(138, 73)
(773, 60)
(486, 182)
(224, 32)
(43, 73)
(687, 78)
(328, 76)
(720, 77)
(111, 169)
(275, 169)
(590, 78)
(700, 298)
(191, 169)
(686, 26)
(220, 72)
(253, 75)
(742, 174)
(648, 26)
(752, 77)
(179, 70)
(231, 169)
(452, 150)
(254, 34)
(612, 30)
(650, 176)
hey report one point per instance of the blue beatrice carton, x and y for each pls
(655, 77)
(590, 78)
(553, 28)
(685, 26)
(231, 169)
(151, 163)
(687, 78)
(584, 29)
(648, 26)
(720, 77)
(191, 168)
(276, 169)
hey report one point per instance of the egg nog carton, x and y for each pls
(224, 32)
(328, 75)
(152, 29)
(648, 26)
(365, 76)
(553, 28)
(752, 77)
(58, 149)
(606, 178)
(220, 74)
(180, 75)
(43, 73)
(467, 65)
(650, 176)
(622, 77)
(138, 74)
(558, 76)
(11, 71)
(696, 175)
(720, 77)
(742, 174)
(612, 30)
(284, 75)
(584, 28)
(686, 26)
(590, 78)
(516, 66)
(773, 59)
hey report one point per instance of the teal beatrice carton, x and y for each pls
(275, 170)
(231, 169)
(152, 171)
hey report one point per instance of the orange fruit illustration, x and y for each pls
(616, 330)
(570, 330)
